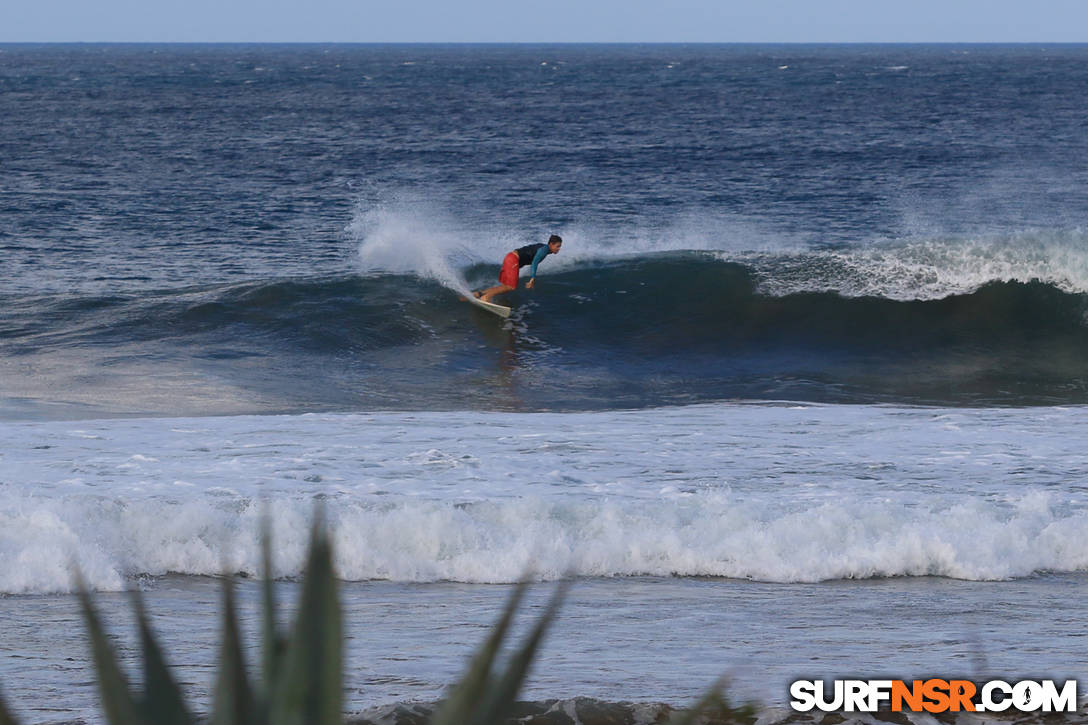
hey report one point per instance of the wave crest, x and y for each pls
(927, 269)
(499, 541)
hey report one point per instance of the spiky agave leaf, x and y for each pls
(501, 695)
(6, 718)
(469, 691)
(118, 703)
(273, 645)
(309, 685)
(163, 702)
(233, 698)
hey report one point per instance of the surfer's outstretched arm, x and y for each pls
(552, 247)
(538, 258)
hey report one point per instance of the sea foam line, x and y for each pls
(500, 541)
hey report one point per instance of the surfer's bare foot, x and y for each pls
(478, 294)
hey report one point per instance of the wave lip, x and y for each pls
(926, 268)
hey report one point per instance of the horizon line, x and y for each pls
(544, 42)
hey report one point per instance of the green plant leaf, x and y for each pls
(273, 645)
(118, 704)
(309, 689)
(501, 695)
(163, 702)
(233, 698)
(469, 691)
(6, 718)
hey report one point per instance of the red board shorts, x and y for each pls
(509, 274)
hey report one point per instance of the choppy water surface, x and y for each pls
(803, 395)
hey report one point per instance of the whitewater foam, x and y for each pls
(926, 268)
(399, 243)
(771, 493)
(500, 541)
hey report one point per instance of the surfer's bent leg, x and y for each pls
(508, 278)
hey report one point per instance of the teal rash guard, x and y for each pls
(532, 254)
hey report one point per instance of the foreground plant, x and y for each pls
(301, 674)
(300, 679)
(6, 718)
(485, 694)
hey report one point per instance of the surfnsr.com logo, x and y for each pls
(934, 696)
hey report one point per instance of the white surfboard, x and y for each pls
(499, 310)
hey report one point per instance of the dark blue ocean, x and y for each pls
(804, 394)
(899, 224)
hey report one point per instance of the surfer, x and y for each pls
(532, 254)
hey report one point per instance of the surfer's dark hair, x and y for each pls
(555, 239)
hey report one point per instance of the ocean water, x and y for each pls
(804, 395)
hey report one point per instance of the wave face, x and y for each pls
(608, 332)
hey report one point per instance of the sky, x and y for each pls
(565, 21)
